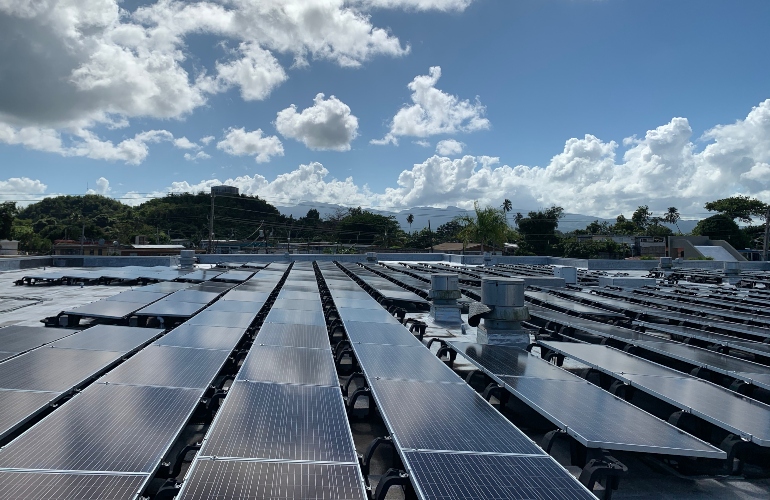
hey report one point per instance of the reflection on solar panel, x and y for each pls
(16, 407)
(222, 318)
(448, 476)
(298, 305)
(137, 296)
(281, 421)
(169, 367)
(377, 333)
(40, 486)
(597, 419)
(295, 317)
(278, 334)
(106, 309)
(289, 365)
(366, 315)
(503, 360)
(105, 428)
(722, 407)
(171, 309)
(56, 370)
(236, 306)
(246, 295)
(236, 480)
(108, 338)
(399, 362)
(202, 337)
(428, 416)
(15, 339)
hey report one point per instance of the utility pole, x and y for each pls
(767, 232)
(211, 225)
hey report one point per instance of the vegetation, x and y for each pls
(488, 226)
(721, 227)
(538, 230)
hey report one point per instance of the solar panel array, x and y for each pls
(444, 431)
(108, 440)
(282, 431)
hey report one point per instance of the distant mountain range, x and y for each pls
(439, 216)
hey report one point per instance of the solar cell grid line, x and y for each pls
(299, 304)
(247, 480)
(223, 318)
(450, 476)
(757, 348)
(699, 309)
(289, 365)
(17, 339)
(47, 486)
(108, 338)
(554, 302)
(446, 417)
(167, 366)
(402, 363)
(726, 409)
(236, 306)
(706, 301)
(277, 334)
(202, 337)
(499, 360)
(295, 317)
(269, 421)
(377, 333)
(55, 370)
(105, 428)
(105, 309)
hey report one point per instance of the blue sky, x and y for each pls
(597, 106)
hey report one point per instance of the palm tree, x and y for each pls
(507, 206)
(672, 217)
(409, 220)
(487, 225)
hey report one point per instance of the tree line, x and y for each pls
(249, 218)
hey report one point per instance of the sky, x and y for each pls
(597, 106)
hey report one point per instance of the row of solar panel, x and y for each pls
(282, 431)
(107, 441)
(139, 273)
(451, 441)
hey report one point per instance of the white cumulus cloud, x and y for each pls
(449, 147)
(238, 142)
(200, 155)
(328, 124)
(434, 112)
(441, 5)
(22, 190)
(102, 187)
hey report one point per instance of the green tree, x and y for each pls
(8, 213)
(448, 231)
(672, 217)
(364, 227)
(538, 230)
(487, 226)
(409, 220)
(623, 226)
(721, 227)
(641, 218)
(742, 208)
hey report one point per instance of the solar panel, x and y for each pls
(289, 365)
(399, 362)
(106, 309)
(295, 295)
(367, 303)
(14, 339)
(201, 275)
(314, 336)
(246, 296)
(612, 360)
(288, 317)
(569, 305)
(137, 296)
(56, 370)
(503, 360)
(597, 419)
(7, 355)
(167, 287)
(108, 338)
(170, 309)
(380, 333)
(724, 408)
(194, 296)
(237, 306)
(281, 421)
(448, 476)
(237, 480)
(16, 407)
(429, 416)
(202, 337)
(104, 428)
(41, 486)
(169, 367)
(366, 315)
(222, 318)
(298, 305)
